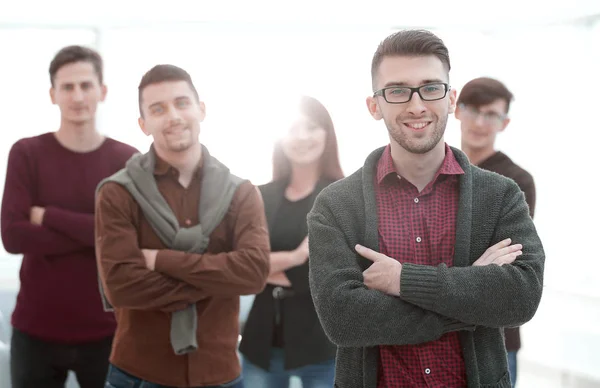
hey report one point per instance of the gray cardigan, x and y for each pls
(476, 301)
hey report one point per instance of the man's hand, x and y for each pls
(150, 258)
(500, 254)
(36, 215)
(383, 274)
(300, 254)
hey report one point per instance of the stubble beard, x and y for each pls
(417, 146)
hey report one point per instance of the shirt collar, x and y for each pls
(385, 166)
(161, 167)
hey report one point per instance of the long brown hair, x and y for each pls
(330, 161)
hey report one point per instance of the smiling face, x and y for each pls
(417, 126)
(304, 143)
(171, 115)
(479, 126)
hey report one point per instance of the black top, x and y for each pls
(301, 335)
(288, 231)
(503, 165)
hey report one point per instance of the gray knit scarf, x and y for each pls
(218, 188)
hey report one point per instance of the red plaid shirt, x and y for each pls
(419, 228)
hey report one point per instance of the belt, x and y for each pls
(282, 293)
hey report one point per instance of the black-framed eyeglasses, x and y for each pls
(403, 94)
(489, 118)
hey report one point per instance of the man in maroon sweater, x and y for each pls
(483, 106)
(48, 216)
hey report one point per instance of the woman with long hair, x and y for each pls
(282, 336)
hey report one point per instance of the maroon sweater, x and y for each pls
(59, 298)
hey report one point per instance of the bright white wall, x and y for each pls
(248, 77)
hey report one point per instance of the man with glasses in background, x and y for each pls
(419, 259)
(483, 106)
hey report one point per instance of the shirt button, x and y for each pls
(418, 239)
(416, 200)
(188, 222)
(427, 371)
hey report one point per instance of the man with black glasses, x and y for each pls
(419, 259)
(483, 106)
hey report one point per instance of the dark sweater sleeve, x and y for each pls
(351, 314)
(78, 226)
(19, 235)
(528, 186)
(491, 295)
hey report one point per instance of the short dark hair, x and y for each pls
(484, 90)
(72, 54)
(164, 73)
(411, 43)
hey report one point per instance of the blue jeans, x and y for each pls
(512, 368)
(118, 378)
(313, 376)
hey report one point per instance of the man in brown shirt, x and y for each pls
(483, 106)
(146, 281)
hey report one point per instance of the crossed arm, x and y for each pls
(169, 280)
(394, 304)
(30, 229)
(288, 263)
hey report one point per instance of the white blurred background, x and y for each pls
(250, 58)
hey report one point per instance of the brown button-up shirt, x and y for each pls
(235, 263)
